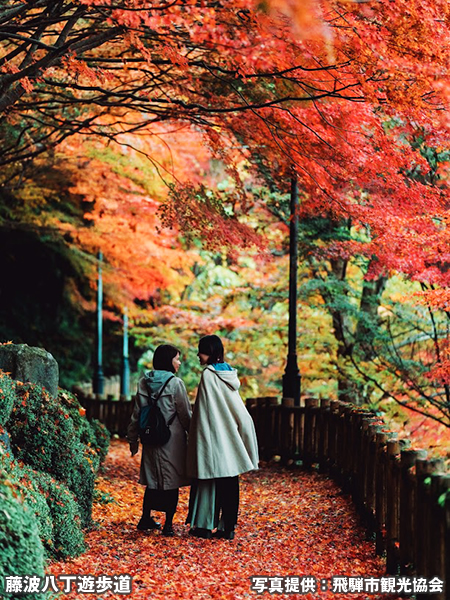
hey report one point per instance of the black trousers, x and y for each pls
(161, 500)
(228, 500)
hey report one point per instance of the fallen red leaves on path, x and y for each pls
(291, 523)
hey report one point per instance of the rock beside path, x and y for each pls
(26, 363)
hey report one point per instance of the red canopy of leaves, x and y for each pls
(333, 90)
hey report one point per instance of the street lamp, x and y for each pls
(125, 373)
(291, 377)
(98, 381)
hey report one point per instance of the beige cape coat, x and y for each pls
(222, 439)
(164, 467)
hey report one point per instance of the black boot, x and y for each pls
(227, 534)
(147, 521)
(201, 533)
(168, 528)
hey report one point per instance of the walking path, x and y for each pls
(292, 524)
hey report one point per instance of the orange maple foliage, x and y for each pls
(127, 207)
(422, 432)
(292, 523)
(313, 98)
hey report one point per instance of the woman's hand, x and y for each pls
(134, 447)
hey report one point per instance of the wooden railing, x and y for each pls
(402, 496)
(113, 413)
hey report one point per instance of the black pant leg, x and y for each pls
(161, 500)
(146, 505)
(228, 495)
(172, 503)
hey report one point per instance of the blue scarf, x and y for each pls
(221, 366)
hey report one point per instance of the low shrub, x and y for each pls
(52, 454)
(54, 506)
(102, 439)
(80, 477)
(57, 513)
(68, 539)
(21, 550)
(93, 433)
(25, 480)
(41, 432)
(54, 436)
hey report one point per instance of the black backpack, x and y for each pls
(153, 429)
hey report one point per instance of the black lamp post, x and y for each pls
(99, 380)
(291, 377)
(125, 374)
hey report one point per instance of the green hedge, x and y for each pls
(26, 481)
(92, 433)
(21, 550)
(54, 436)
(54, 506)
(102, 439)
(52, 454)
(57, 512)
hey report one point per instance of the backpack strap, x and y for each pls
(171, 420)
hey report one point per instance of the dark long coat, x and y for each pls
(163, 467)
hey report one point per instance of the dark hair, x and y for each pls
(212, 346)
(163, 356)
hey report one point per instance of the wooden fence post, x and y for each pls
(366, 465)
(393, 506)
(408, 490)
(261, 416)
(324, 424)
(380, 492)
(344, 434)
(425, 506)
(358, 459)
(439, 557)
(333, 436)
(299, 430)
(439, 564)
(311, 410)
(340, 442)
(436, 558)
(354, 431)
(371, 469)
(273, 424)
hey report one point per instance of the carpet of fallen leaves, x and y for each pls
(291, 523)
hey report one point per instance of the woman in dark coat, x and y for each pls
(163, 468)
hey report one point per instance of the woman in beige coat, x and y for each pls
(222, 445)
(163, 468)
